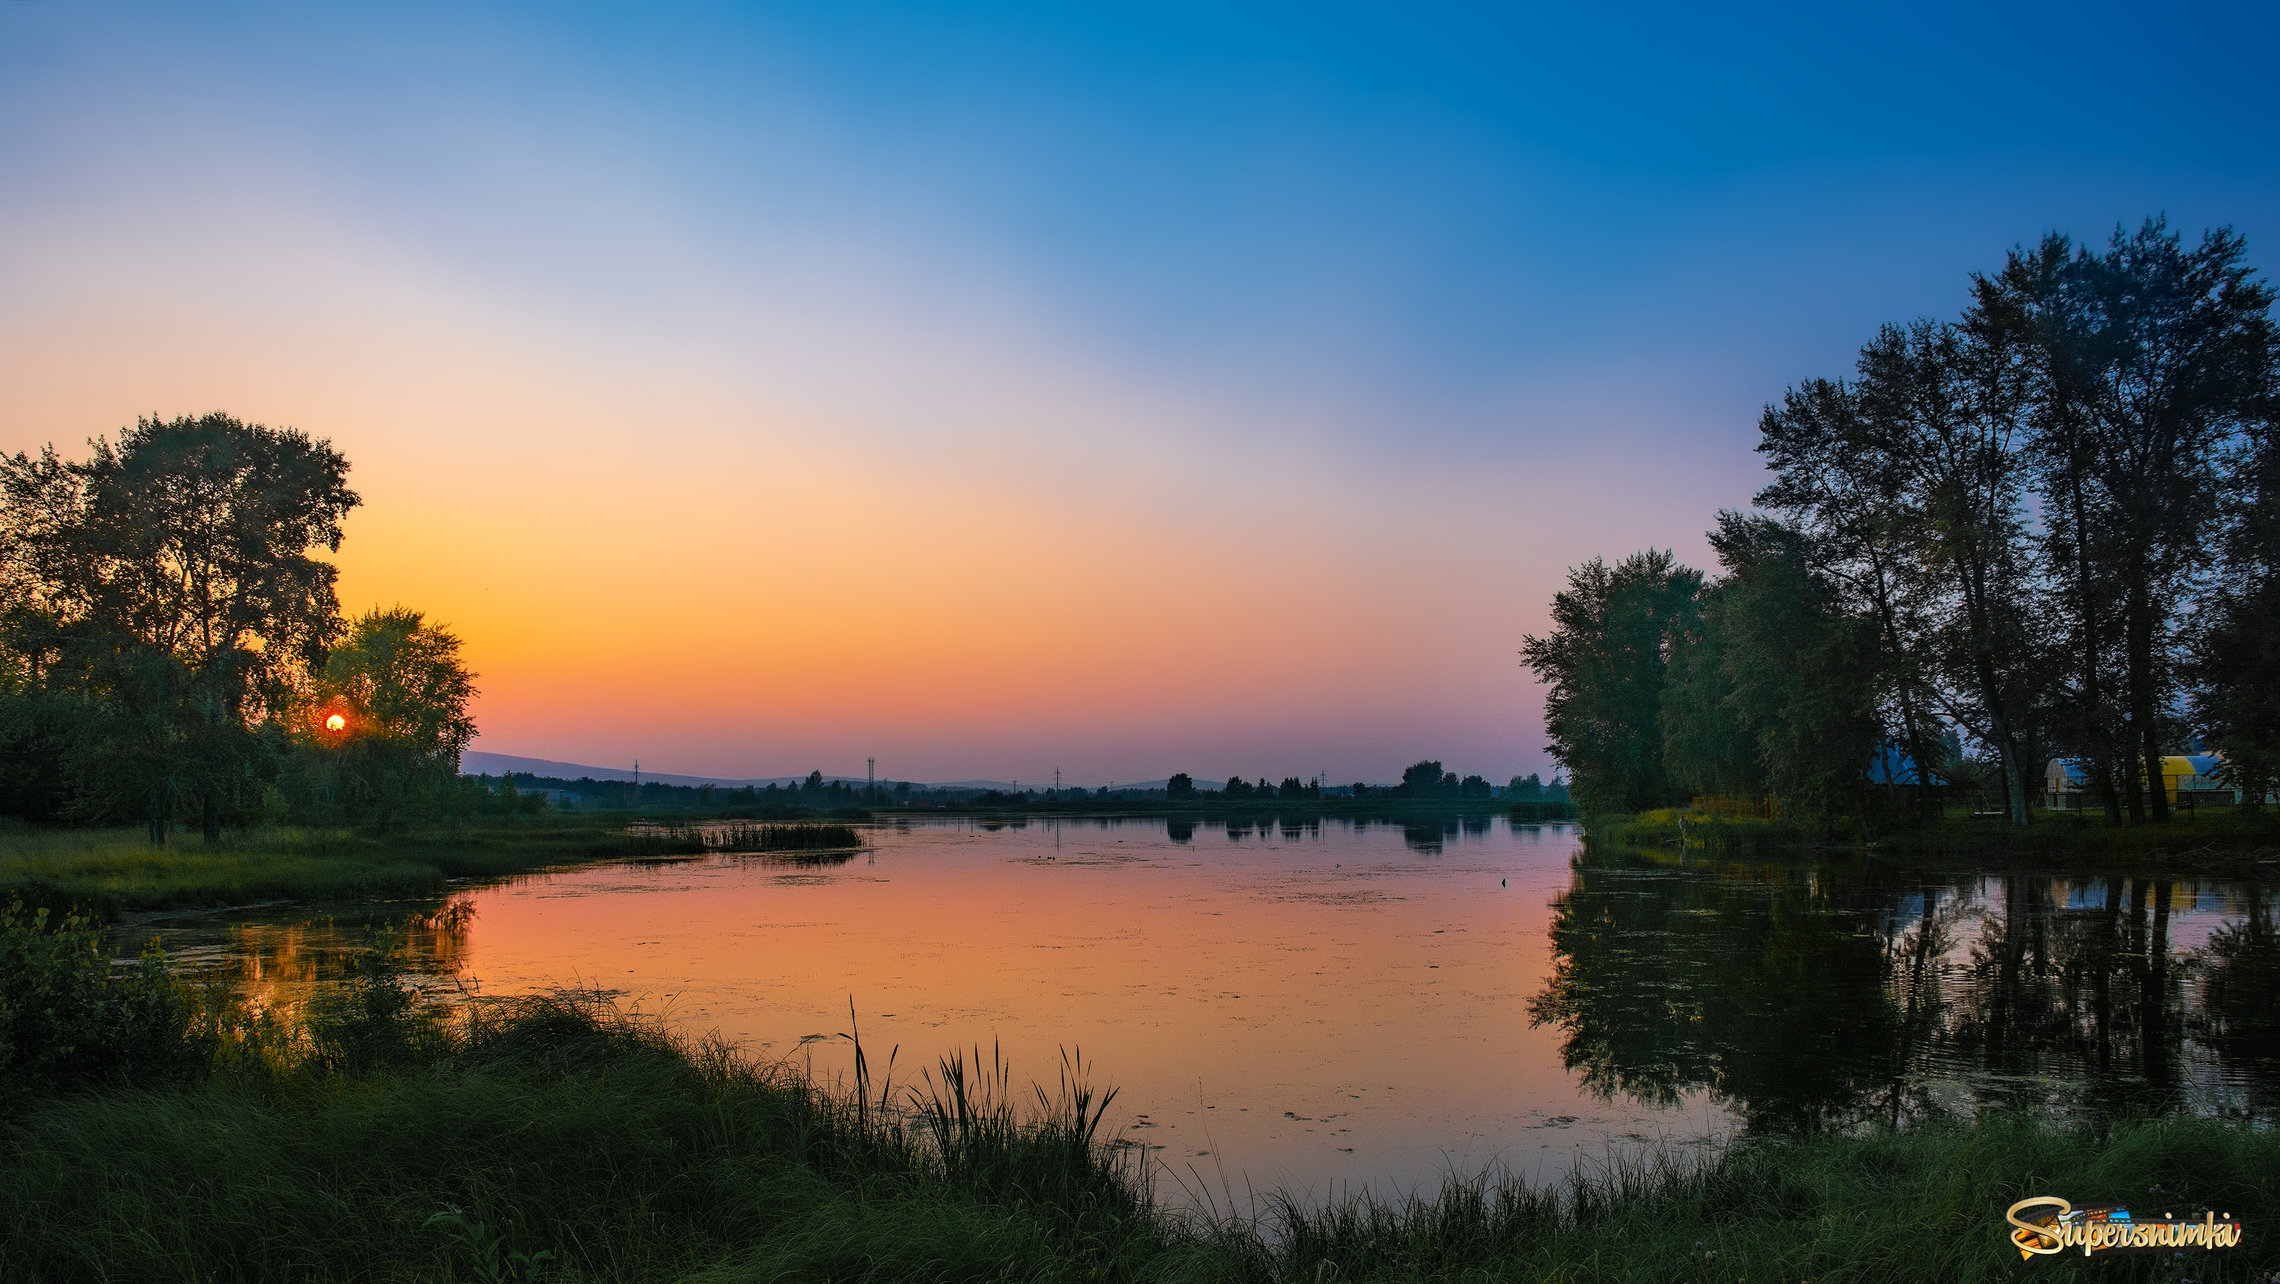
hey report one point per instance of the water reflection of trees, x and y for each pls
(277, 967)
(1824, 995)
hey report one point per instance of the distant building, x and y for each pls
(2066, 785)
(1893, 766)
(2187, 778)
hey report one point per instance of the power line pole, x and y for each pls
(871, 777)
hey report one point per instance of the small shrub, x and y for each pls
(70, 1020)
(374, 1018)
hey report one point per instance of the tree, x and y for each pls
(403, 692)
(1776, 688)
(1847, 500)
(1525, 788)
(1928, 440)
(2237, 697)
(170, 578)
(1602, 666)
(1180, 788)
(1421, 780)
(2154, 362)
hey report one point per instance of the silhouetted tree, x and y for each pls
(399, 682)
(1602, 668)
(2153, 363)
(169, 580)
(1774, 687)
(1421, 780)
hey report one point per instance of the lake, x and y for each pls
(1319, 1006)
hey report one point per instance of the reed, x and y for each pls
(742, 838)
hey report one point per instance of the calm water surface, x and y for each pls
(1320, 1006)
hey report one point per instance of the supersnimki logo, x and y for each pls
(2046, 1224)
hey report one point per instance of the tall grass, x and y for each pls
(546, 1137)
(740, 837)
(559, 1138)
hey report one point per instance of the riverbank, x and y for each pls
(557, 1139)
(2229, 841)
(115, 871)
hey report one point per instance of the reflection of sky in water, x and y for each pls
(1315, 1004)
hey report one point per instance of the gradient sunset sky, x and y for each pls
(994, 388)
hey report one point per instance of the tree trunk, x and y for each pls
(2102, 744)
(2145, 731)
(211, 817)
(158, 815)
(1982, 617)
(1911, 726)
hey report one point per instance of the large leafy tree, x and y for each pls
(1776, 686)
(2154, 363)
(1845, 500)
(402, 691)
(171, 581)
(1602, 666)
(1913, 479)
(2237, 696)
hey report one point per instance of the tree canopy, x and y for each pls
(166, 614)
(2045, 528)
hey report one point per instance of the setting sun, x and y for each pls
(336, 724)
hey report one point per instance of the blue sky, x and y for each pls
(1404, 307)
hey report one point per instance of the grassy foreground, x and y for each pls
(557, 1139)
(114, 870)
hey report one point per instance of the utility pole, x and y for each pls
(1056, 780)
(871, 777)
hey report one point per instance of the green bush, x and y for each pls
(70, 1020)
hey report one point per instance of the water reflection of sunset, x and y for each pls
(277, 966)
(1304, 1004)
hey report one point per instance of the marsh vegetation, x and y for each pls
(556, 1137)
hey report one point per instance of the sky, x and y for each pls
(996, 389)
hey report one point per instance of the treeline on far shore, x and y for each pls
(2027, 557)
(1425, 785)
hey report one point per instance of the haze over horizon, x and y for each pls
(1128, 392)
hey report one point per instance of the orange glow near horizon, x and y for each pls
(962, 544)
